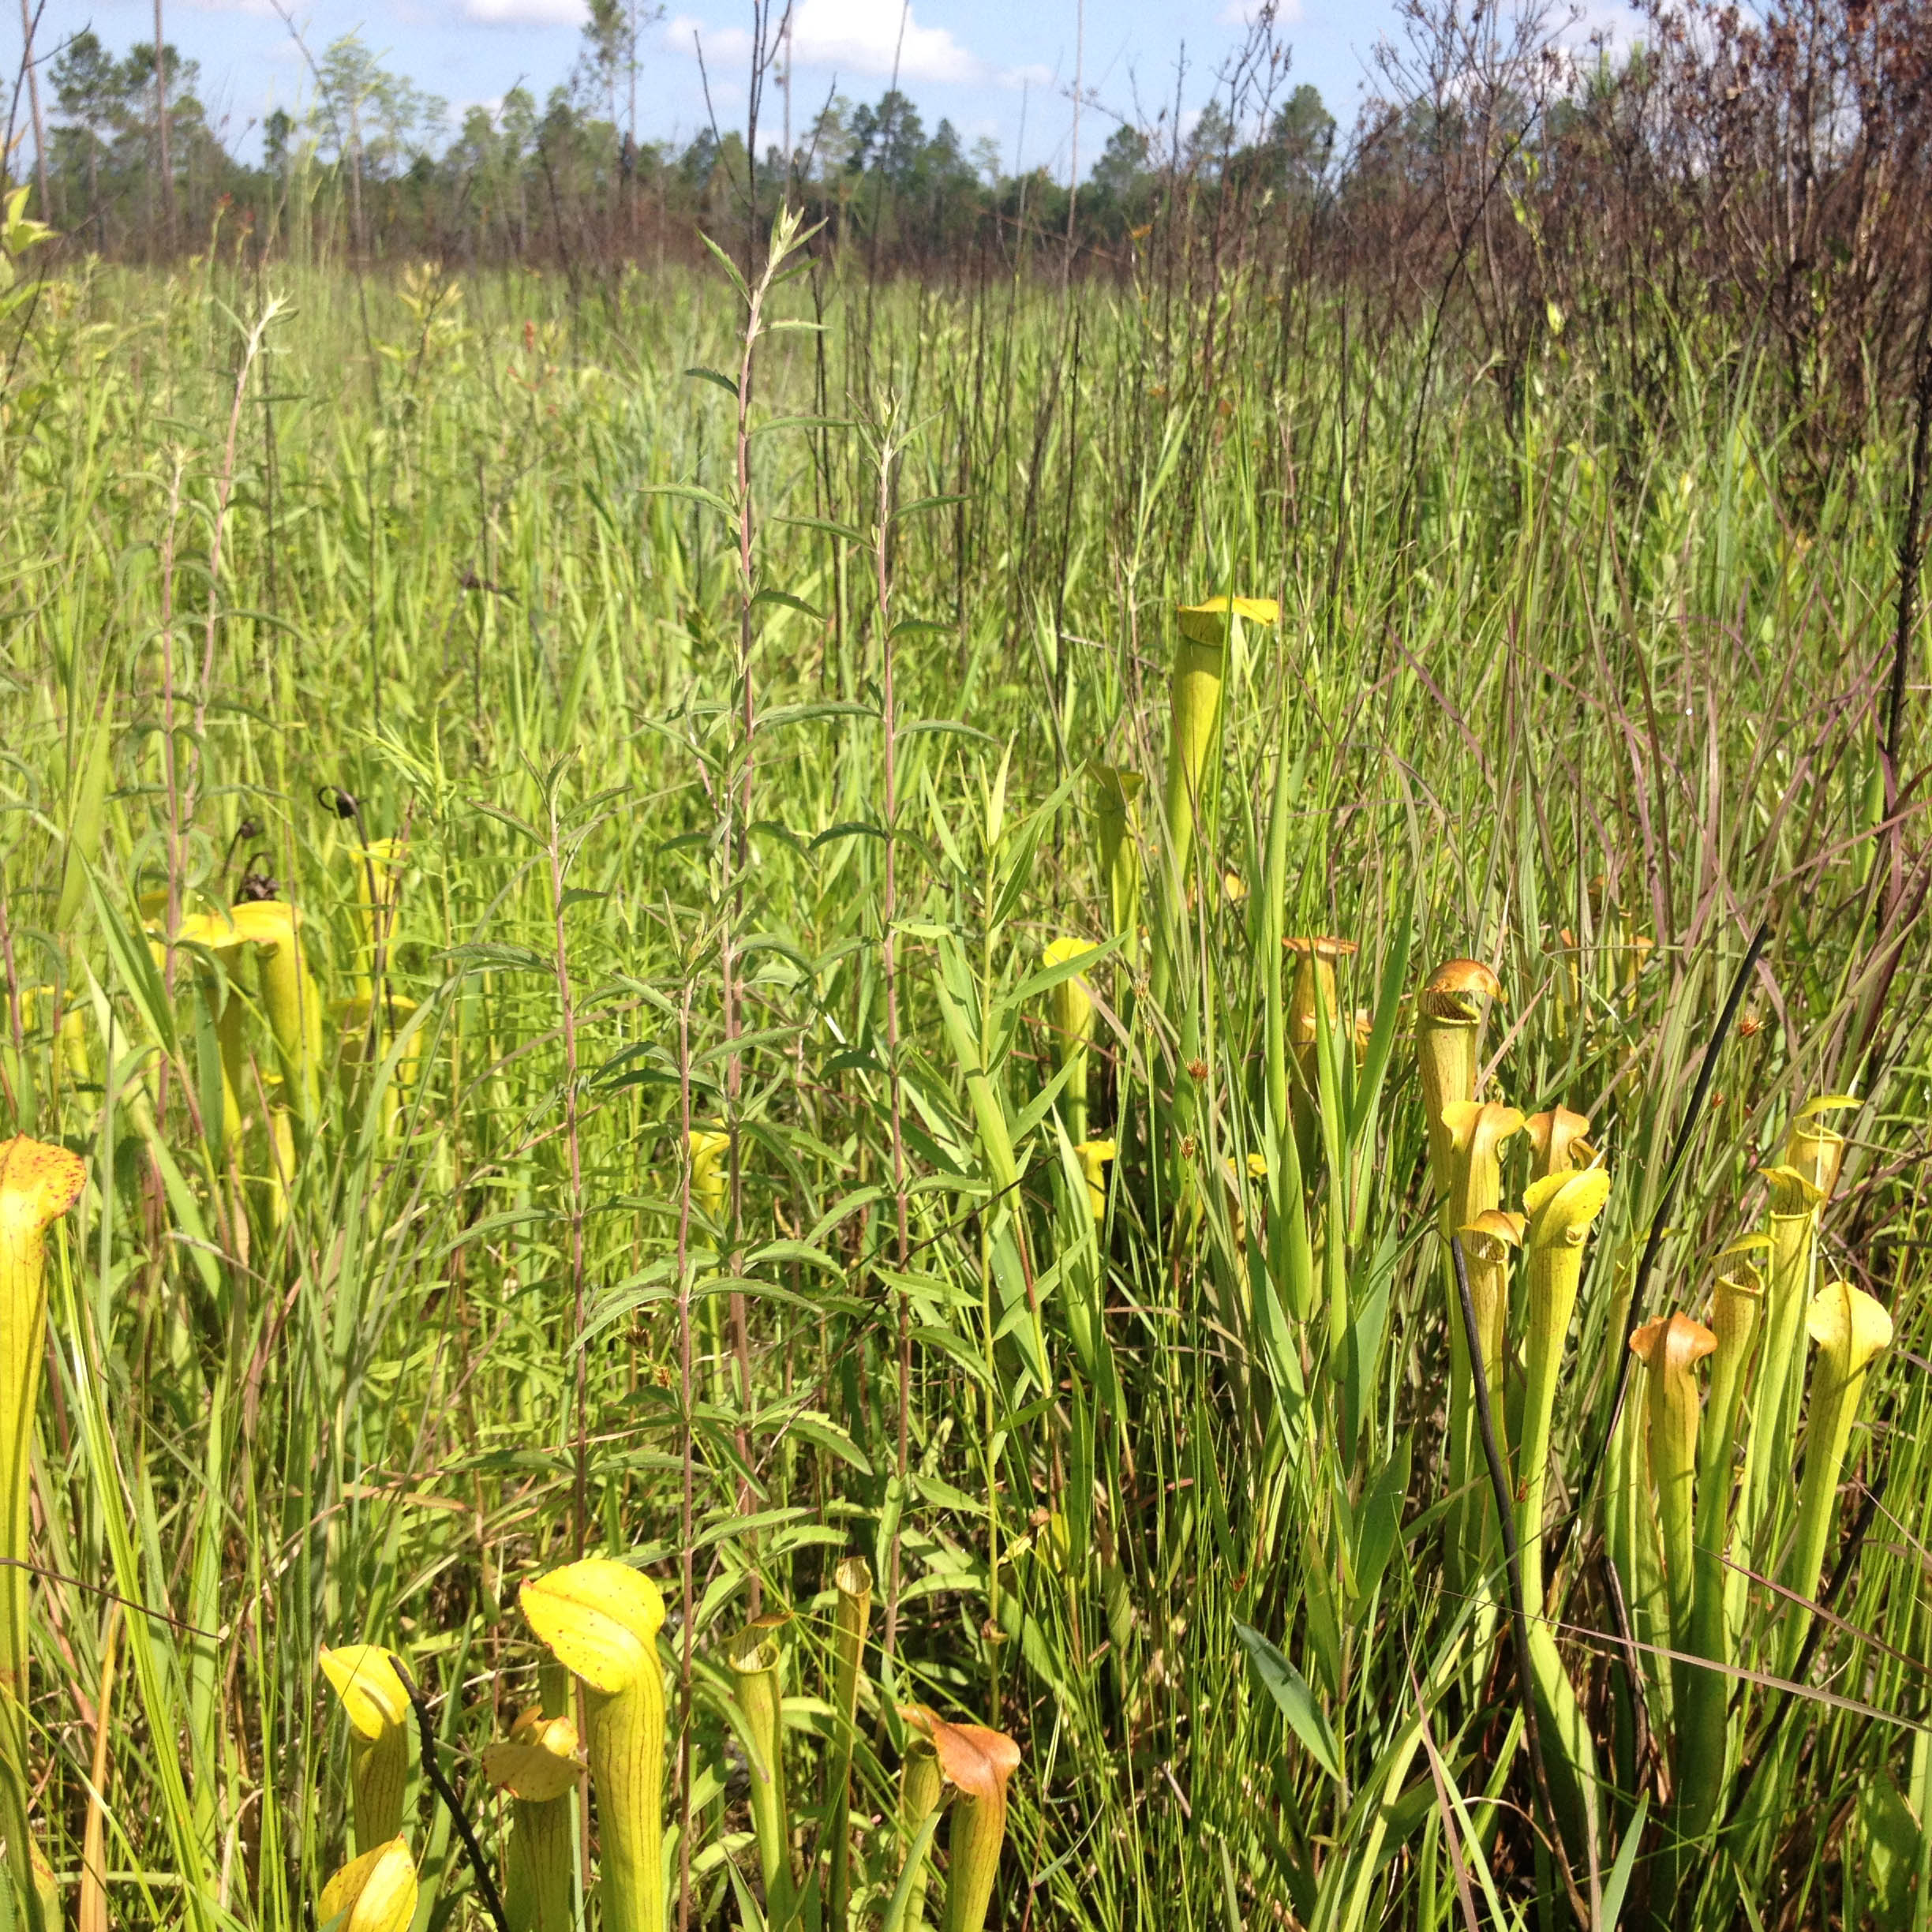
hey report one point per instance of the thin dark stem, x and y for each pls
(1512, 1567)
(425, 1732)
(1660, 1220)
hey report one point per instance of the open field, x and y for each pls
(670, 1145)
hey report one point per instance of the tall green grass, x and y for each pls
(1175, 1491)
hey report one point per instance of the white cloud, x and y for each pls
(871, 38)
(526, 13)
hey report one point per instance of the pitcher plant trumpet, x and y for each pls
(1314, 1008)
(852, 1580)
(374, 1893)
(1702, 1695)
(1199, 676)
(1455, 997)
(216, 935)
(977, 1763)
(1477, 1132)
(1670, 1348)
(289, 995)
(710, 1183)
(600, 1619)
(364, 1677)
(1117, 825)
(1560, 1142)
(37, 1185)
(541, 1768)
(1560, 1211)
(921, 1783)
(757, 1661)
(1072, 1017)
(1851, 1329)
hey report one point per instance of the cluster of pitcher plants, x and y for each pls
(1717, 1491)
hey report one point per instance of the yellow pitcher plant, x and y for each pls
(37, 1185)
(1670, 1348)
(710, 1185)
(1072, 1017)
(364, 1677)
(1200, 677)
(757, 1660)
(1314, 1007)
(216, 934)
(600, 1619)
(1449, 1020)
(541, 1768)
(1851, 1329)
(292, 1000)
(1117, 825)
(1703, 1695)
(1477, 1131)
(852, 1582)
(977, 1763)
(373, 1893)
(1558, 1210)
(921, 1785)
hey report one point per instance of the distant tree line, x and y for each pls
(1504, 181)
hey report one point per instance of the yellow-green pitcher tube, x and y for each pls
(1449, 1020)
(1670, 1348)
(541, 1769)
(1117, 828)
(379, 886)
(977, 1762)
(293, 1000)
(709, 1147)
(1071, 1007)
(601, 1619)
(1559, 1210)
(1851, 1329)
(921, 1783)
(851, 1615)
(37, 1185)
(214, 933)
(1703, 1700)
(757, 1661)
(1477, 1132)
(1487, 1242)
(1793, 1245)
(1558, 1142)
(1314, 1006)
(1200, 678)
(364, 1677)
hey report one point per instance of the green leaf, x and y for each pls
(1617, 1882)
(713, 375)
(787, 601)
(1293, 1697)
(844, 531)
(924, 503)
(695, 493)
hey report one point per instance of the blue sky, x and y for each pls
(998, 68)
